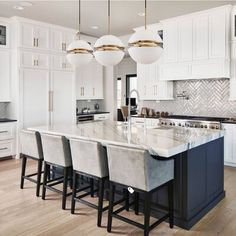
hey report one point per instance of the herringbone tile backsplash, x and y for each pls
(3, 109)
(206, 98)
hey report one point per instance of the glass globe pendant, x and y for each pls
(109, 50)
(145, 47)
(79, 52)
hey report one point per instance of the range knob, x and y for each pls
(205, 126)
(162, 123)
(173, 124)
(188, 125)
(170, 124)
(165, 123)
(179, 124)
(201, 126)
(217, 127)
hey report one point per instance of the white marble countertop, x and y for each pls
(161, 141)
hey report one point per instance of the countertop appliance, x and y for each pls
(191, 123)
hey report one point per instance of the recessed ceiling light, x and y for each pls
(26, 4)
(94, 27)
(141, 14)
(20, 8)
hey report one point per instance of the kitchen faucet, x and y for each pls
(129, 107)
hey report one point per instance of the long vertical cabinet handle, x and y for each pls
(52, 106)
(37, 42)
(34, 42)
(50, 101)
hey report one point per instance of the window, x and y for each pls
(131, 83)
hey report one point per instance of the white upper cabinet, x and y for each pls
(89, 82)
(59, 62)
(185, 40)
(217, 33)
(200, 37)
(60, 39)
(34, 36)
(196, 46)
(4, 75)
(170, 42)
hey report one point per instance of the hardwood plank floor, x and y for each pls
(22, 213)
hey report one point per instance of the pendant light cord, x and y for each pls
(109, 17)
(79, 18)
(145, 14)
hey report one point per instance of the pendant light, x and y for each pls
(145, 47)
(79, 52)
(109, 50)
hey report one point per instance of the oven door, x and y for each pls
(85, 118)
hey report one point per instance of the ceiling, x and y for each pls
(124, 13)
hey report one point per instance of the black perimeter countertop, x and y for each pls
(5, 120)
(92, 113)
(206, 118)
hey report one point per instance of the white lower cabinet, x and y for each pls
(7, 139)
(104, 116)
(46, 98)
(150, 122)
(230, 144)
(34, 90)
(62, 97)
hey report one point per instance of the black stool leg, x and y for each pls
(126, 193)
(136, 203)
(171, 203)
(146, 213)
(100, 201)
(65, 181)
(24, 160)
(45, 176)
(75, 181)
(111, 202)
(92, 187)
(40, 164)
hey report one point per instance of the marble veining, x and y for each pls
(159, 141)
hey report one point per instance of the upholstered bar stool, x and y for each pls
(56, 150)
(31, 148)
(90, 160)
(136, 169)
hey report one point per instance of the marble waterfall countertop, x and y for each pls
(160, 141)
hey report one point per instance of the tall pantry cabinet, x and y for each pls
(43, 81)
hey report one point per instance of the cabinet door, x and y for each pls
(68, 38)
(57, 40)
(185, 39)
(60, 63)
(217, 34)
(27, 35)
(4, 75)
(80, 78)
(34, 60)
(42, 37)
(34, 88)
(96, 80)
(200, 37)
(63, 100)
(170, 41)
(228, 142)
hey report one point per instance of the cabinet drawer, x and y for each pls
(101, 117)
(7, 148)
(7, 131)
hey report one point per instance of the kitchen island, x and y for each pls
(198, 155)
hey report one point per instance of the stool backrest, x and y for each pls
(31, 144)
(136, 168)
(89, 157)
(56, 150)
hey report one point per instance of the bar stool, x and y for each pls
(57, 154)
(31, 148)
(135, 169)
(90, 160)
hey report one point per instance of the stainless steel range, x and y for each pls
(191, 123)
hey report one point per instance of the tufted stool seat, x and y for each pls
(57, 154)
(31, 147)
(137, 170)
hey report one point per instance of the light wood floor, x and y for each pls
(22, 213)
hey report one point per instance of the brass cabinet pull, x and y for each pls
(37, 41)
(4, 131)
(34, 42)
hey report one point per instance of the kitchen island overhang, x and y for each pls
(198, 155)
